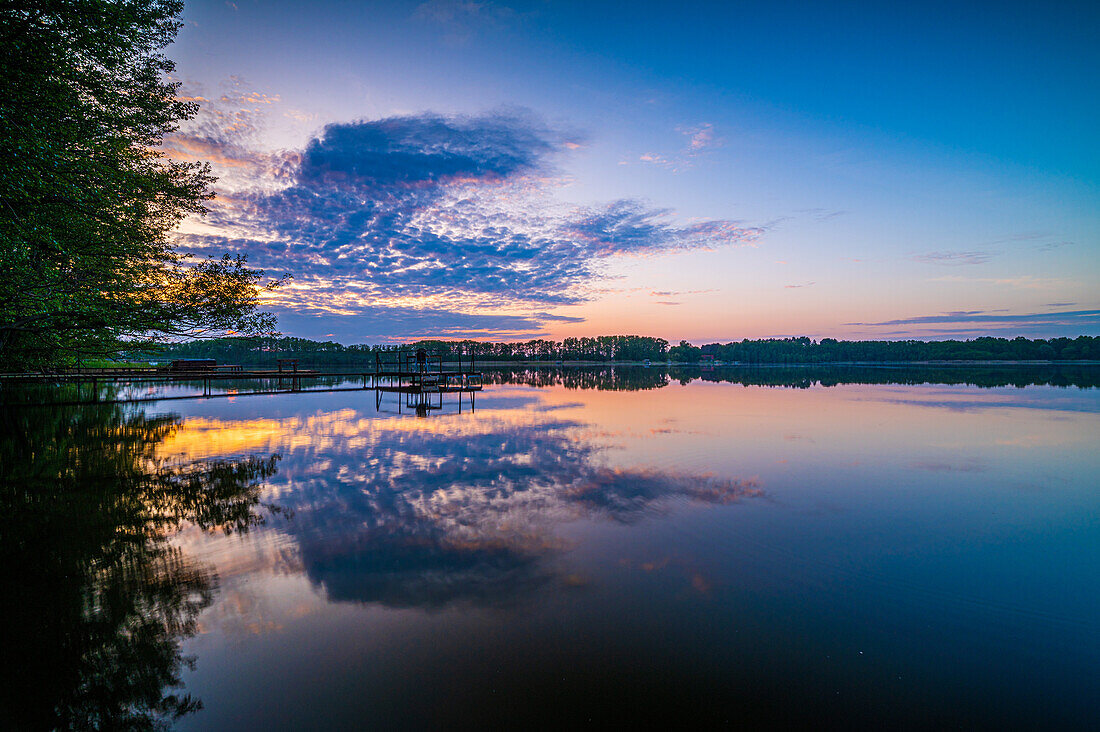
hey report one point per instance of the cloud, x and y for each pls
(457, 11)
(425, 149)
(396, 323)
(1002, 330)
(299, 115)
(821, 214)
(794, 287)
(226, 133)
(1073, 317)
(1025, 282)
(953, 259)
(966, 465)
(1051, 246)
(631, 227)
(461, 19)
(254, 97)
(430, 212)
(189, 149)
(676, 293)
(700, 138)
(1032, 236)
(558, 318)
(654, 158)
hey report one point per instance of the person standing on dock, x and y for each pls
(421, 360)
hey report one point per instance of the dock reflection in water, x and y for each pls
(616, 546)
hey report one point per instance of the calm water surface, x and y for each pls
(915, 555)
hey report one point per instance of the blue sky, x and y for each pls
(708, 171)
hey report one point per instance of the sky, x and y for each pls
(699, 171)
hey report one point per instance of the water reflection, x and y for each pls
(638, 378)
(424, 517)
(96, 599)
(560, 555)
(425, 404)
(599, 378)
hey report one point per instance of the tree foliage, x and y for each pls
(87, 202)
(831, 350)
(264, 350)
(604, 349)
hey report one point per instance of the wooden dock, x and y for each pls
(409, 373)
(424, 373)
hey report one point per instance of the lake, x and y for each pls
(899, 547)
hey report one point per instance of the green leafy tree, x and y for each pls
(88, 203)
(685, 353)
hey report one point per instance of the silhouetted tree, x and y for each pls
(86, 261)
(96, 600)
(640, 348)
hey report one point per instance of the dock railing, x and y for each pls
(405, 362)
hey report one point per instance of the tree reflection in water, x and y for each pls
(96, 600)
(640, 378)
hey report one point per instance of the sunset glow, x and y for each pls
(453, 169)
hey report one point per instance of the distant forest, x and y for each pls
(639, 348)
(618, 378)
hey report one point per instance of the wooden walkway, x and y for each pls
(445, 379)
(408, 373)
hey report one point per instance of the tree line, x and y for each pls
(831, 350)
(266, 349)
(602, 349)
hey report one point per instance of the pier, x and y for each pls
(414, 374)
(421, 372)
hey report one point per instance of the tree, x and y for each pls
(88, 203)
(685, 353)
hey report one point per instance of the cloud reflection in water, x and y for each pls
(467, 508)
